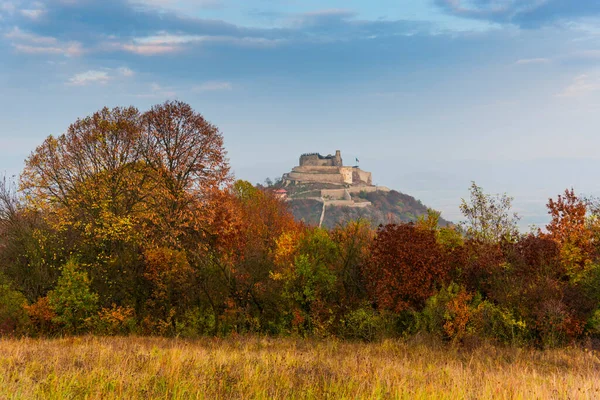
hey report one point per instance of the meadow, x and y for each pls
(252, 367)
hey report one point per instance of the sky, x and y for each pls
(429, 95)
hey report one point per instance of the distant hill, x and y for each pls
(386, 207)
(321, 190)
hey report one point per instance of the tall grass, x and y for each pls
(264, 368)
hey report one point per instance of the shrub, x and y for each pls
(454, 314)
(115, 320)
(364, 323)
(13, 317)
(72, 300)
(42, 316)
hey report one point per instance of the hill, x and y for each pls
(386, 206)
(322, 191)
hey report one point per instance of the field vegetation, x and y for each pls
(282, 368)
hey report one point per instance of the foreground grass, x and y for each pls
(265, 368)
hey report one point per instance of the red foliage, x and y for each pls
(406, 264)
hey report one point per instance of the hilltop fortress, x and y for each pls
(324, 192)
(315, 168)
(325, 179)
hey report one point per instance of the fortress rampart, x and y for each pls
(315, 168)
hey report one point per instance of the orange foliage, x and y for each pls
(569, 229)
(41, 315)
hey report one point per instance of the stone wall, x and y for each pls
(336, 194)
(347, 174)
(314, 178)
(361, 177)
(315, 159)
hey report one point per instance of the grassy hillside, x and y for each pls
(268, 368)
(386, 207)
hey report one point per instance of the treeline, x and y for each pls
(130, 223)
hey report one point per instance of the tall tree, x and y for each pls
(488, 217)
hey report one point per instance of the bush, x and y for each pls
(13, 316)
(42, 317)
(72, 300)
(364, 324)
(115, 321)
(453, 314)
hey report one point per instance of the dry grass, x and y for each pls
(265, 368)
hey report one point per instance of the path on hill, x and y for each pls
(322, 212)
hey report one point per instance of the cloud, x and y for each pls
(183, 4)
(17, 34)
(528, 61)
(158, 91)
(31, 43)
(33, 14)
(149, 49)
(212, 86)
(582, 85)
(102, 76)
(126, 72)
(71, 49)
(91, 76)
(524, 13)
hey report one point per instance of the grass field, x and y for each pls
(265, 368)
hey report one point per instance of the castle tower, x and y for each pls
(338, 159)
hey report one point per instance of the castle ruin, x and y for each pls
(325, 179)
(315, 168)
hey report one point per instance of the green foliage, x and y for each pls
(72, 300)
(195, 322)
(454, 314)
(364, 323)
(13, 318)
(488, 217)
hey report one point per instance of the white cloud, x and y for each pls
(149, 49)
(126, 72)
(212, 86)
(91, 76)
(164, 43)
(582, 85)
(102, 76)
(157, 91)
(527, 61)
(33, 14)
(30, 43)
(19, 35)
(182, 4)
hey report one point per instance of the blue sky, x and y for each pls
(428, 94)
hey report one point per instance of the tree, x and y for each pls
(118, 182)
(488, 217)
(73, 300)
(407, 264)
(188, 159)
(569, 228)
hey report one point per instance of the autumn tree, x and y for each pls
(407, 264)
(246, 223)
(28, 246)
(353, 241)
(306, 268)
(186, 154)
(119, 183)
(569, 228)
